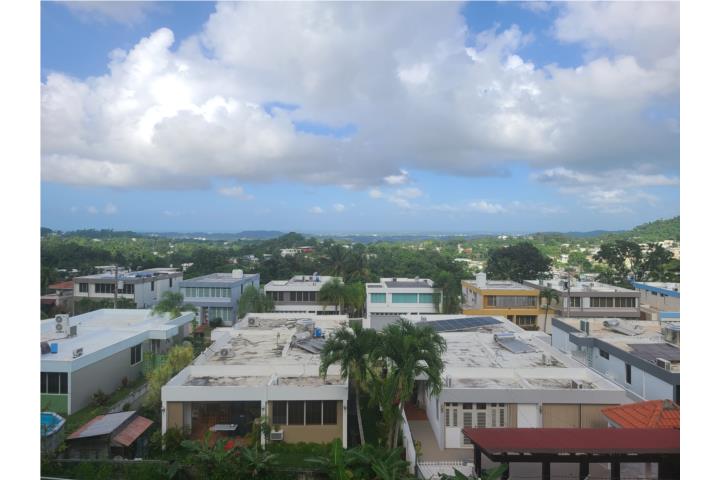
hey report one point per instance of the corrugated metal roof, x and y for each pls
(652, 414)
(132, 431)
(576, 440)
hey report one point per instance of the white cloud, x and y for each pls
(92, 210)
(316, 210)
(110, 209)
(375, 193)
(612, 191)
(536, 6)
(127, 13)
(419, 99)
(235, 192)
(339, 207)
(400, 179)
(411, 192)
(486, 207)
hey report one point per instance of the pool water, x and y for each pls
(50, 423)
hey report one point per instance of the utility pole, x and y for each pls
(116, 288)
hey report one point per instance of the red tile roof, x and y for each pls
(62, 285)
(652, 414)
(575, 440)
(132, 431)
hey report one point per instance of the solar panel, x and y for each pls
(312, 345)
(460, 324)
(509, 342)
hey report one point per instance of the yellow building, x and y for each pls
(519, 303)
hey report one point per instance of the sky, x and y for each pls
(359, 117)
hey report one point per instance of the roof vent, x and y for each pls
(237, 273)
(662, 363)
(77, 352)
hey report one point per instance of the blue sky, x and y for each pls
(480, 117)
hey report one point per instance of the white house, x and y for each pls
(97, 350)
(392, 298)
(267, 365)
(300, 295)
(144, 287)
(641, 356)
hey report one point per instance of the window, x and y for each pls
(404, 298)
(279, 413)
(628, 373)
(104, 288)
(575, 302)
(377, 298)
(170, 282)
(511, 301)
(128, 288)
(604, 354)
(296, 413)
(54, 382)
(313, 413)
(136, 354)
(525, 320)
(601, 302)
(426, 298)
(625, 302)
(83, 288)
(654, 293)
(329, 412)
(152, 286)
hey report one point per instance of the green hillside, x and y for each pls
(658, 230)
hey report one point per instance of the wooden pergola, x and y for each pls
(578, 445)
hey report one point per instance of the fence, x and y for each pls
(433, 470)
(408, 443)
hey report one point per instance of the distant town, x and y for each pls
(431, 358)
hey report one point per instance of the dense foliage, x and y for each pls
(517, 262)
(624, 260)
(252, 300)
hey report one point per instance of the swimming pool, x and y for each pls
(50, 423)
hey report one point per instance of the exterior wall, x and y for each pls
(659, 302)
(561, 415)
(436, 418)
(312, 433)
(527, 415)
(475, 300)
(144, 297)
(401, 308)
(106, 374)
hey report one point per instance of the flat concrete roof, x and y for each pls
(220, 277)
(131, 277)
(104, 332)
(300, 282)
(577, 286)
(268, 352)
(397, 282)
(499, 285)
(475, 359)
(647, 337)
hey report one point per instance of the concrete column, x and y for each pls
(584, 470)
(545, 470)
(263, 413)
(615, 470)
(478, 460)
(344, 422)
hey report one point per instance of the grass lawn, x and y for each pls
(81, 417)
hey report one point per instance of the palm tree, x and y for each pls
(351, 348)
(355, 298)
(549, 295)
(173, 303)
(253, 301)
(408, 351)
(332, 293)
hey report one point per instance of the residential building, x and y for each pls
(121, 434)
(392, 298)
(498, 375)
(100, 350)
(300, 295)
(519, 303)
(289, 252)
(60, 298)
(643, 357)
(658, 300)
(590, 299)
(216, 295)
(267, 365)
(144, 287)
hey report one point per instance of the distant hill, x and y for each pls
(663, 229)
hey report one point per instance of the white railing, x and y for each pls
(408, 443)
(433, 470)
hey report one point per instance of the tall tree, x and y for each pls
(409, 350)
(352, 349)
(549, 295)
(173, 303)
(519, 262)
(332, 293)
(355, 298)
(253, 301)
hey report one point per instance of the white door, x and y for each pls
(527, 415)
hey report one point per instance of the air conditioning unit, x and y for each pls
(252, 322)
(77, 352)
(662, 363)
(276, 436)
(62, 324)
(224, 352)
(576, 385)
